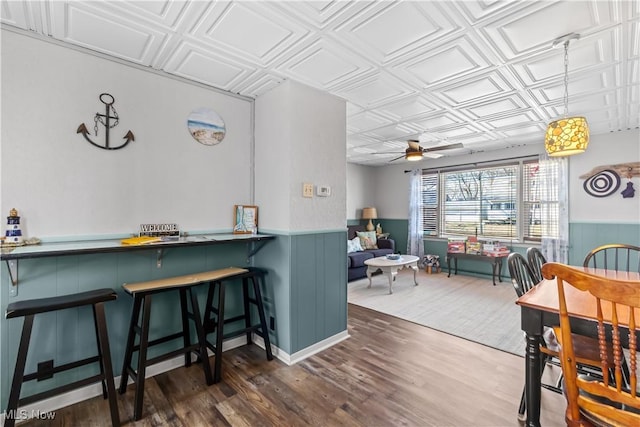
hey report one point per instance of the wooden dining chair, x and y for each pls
(587, 351)
(522, 277)
(536, 260)
(592, 401)
(614, 256)
(523, 280)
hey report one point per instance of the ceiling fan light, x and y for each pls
(414, 156)
(567, 136)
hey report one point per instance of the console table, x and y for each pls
(495, 261)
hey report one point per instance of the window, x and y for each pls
(499, 202)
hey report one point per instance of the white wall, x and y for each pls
(609, 149)
(392, 183)
(273, 159)
(63, 186)
(300, 138)
(361, 190)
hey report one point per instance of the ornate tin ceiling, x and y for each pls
(479, 73)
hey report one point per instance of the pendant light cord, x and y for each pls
(566, 78)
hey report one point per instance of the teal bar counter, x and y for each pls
(61, 268)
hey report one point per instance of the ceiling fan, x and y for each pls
(415, 152)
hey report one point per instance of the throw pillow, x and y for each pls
(367, 239)
(353, 245)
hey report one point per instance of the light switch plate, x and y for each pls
(307, 190)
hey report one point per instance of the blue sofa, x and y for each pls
(356, 268)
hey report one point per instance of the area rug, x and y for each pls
(464, 306)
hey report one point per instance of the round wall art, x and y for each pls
(602, 184)
(206, 126)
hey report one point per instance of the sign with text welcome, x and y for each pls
(158, 230)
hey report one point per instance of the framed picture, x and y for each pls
(245, 219)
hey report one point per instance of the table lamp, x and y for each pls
(369, 213)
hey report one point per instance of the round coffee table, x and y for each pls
(390, 267)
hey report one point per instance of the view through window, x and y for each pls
(500, 202)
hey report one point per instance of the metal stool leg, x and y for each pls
(186, 336)
(105, 361)
(263, 321)
(128, 352)
(217, 373)
(202, 341)
(142, 357)
(18, 373)
(247, 309)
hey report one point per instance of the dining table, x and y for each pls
(539, 307)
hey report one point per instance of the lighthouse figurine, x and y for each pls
(13, 235)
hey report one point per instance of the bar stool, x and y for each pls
(142, 293)
(28, 309)
(214, 314)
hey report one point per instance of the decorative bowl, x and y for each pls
(393, 257)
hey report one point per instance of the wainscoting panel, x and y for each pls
(586, 236)
(318, 287)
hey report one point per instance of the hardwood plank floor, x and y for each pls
(390, 372)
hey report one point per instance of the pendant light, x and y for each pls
(568, 135)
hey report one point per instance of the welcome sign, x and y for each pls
(159, 230)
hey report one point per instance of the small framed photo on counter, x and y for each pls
(245, 219)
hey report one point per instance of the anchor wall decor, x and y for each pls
(105, 119)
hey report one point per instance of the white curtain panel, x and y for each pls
(554, 208)
(415, 244)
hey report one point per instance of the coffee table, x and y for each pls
(390, 267)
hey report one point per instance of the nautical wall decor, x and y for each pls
(603, 181)
(13, 234)
(105, 120)
(206, 126)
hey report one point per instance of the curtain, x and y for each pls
(554, 208)
(415, 244)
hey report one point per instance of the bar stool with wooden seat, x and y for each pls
(29, 309)
(214, 319)
(142, 293)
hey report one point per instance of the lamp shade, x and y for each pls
(369, 213)
(567, 136)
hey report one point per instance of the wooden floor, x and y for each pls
(390, 372)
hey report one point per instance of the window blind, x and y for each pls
(499, 201)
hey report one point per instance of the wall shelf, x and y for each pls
(12, 255)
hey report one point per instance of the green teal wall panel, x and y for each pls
(318, 287)
(586, 236)
(277, 290)
(399, 232)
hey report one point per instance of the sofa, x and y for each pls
(356, 268)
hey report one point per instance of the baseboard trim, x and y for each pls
(75, 396)
(317, 347)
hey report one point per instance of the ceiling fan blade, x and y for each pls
(390, 152)
(443, 147)
(393, 160)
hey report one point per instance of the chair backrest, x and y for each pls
(614, 256)
(617, 302)
(522, 277)
(536, 260)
